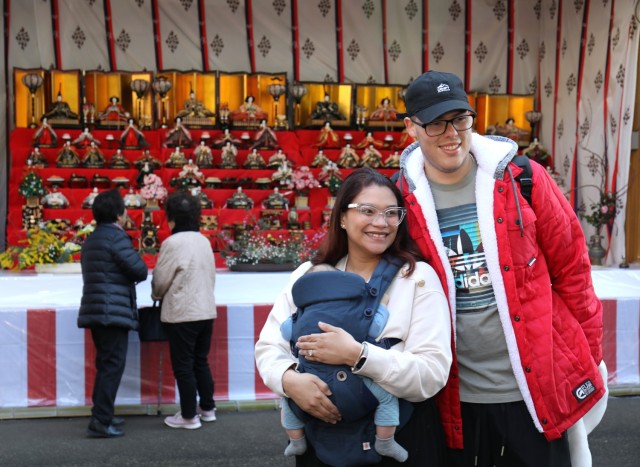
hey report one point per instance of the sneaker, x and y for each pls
(207, 415)
(176, 421)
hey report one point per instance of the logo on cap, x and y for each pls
(443, 87)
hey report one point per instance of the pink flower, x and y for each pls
(153, 188)
(303, 180)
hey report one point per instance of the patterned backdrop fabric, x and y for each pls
(488, 47)
(132, 30)
(83, 45)
(583, 54)
(316, 48)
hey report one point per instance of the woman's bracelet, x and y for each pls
(361, 358)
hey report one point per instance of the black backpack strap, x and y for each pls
(394, 178)
(397, 179)
(525, 177)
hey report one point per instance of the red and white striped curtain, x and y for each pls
(46, 361)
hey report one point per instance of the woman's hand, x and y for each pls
(311, 394)
(334, 346)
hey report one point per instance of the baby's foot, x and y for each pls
(296, 447)
(390, 448)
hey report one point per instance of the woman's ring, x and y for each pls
(310, 353)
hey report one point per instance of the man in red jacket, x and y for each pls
(527, 322)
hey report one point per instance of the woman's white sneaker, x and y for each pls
(206, 415)
(177, 421)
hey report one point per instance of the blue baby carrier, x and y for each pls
(345, 300)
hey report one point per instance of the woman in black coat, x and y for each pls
(110, 270)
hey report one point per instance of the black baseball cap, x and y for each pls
(435, 93)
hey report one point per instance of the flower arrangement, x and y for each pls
(45, 244)
(258, 248)
(283, 176)
(152, 188)
(603, 211)
(32, 186)
(304, 181)
(331, 176)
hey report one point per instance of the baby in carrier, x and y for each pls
(327, 294)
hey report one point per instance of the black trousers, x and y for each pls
(189, 344)
(111, 345)
(503, 435)
(422, 437)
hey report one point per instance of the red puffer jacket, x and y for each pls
(541, 276)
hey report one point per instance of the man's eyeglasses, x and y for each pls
(392, 216)
(438, 127)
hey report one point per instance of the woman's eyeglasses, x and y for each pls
(392, 216)
(439, 127)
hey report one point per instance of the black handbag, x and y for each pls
(151, 329)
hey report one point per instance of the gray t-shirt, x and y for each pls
(486, 375)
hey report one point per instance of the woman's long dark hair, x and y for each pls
(335, 245)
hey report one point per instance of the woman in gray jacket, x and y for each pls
(184, 279)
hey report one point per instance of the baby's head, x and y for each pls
(321, 267)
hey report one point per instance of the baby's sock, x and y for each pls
(388, 447)
(296, 447)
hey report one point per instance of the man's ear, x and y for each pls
(411, 127)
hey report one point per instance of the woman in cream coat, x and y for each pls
(366, 223)
(184, 279)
